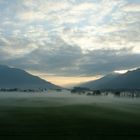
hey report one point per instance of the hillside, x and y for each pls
(17, 78)
(129, 80)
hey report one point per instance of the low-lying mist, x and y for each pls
(54, 99)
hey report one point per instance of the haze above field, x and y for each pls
(70, 41)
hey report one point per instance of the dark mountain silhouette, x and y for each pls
(129, 80)
(17, 78)
(98, 82)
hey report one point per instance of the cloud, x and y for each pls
(16, 47)
(99, 62)
(32, 16)
(132, 7)
(52, 57)
(60, 58)
(70, 37)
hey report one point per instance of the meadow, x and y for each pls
(64, 115)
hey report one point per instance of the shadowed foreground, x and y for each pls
(71, 120)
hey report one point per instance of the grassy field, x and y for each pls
(115, 119)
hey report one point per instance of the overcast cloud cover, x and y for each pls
(70, 37)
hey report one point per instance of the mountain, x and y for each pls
(17, 78)
(98, 82)
(129, 80)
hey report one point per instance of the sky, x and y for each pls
(70, 41)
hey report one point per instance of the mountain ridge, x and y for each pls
(18, 78)
(128, 80)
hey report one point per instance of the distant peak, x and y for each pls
(126, 71)
(120, 71)
(138, 69)
(135, 70)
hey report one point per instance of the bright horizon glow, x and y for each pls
(65, 81)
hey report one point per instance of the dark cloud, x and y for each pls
(52, 58)
(106, 61)
(63, 59)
